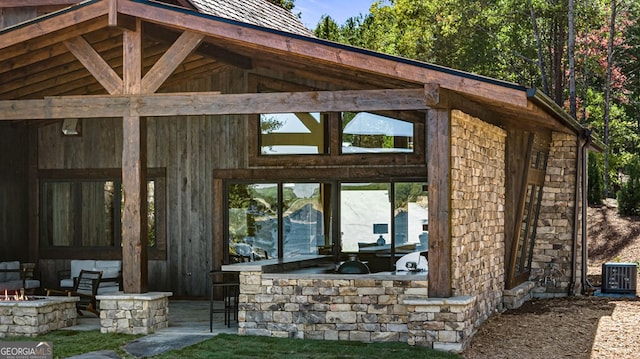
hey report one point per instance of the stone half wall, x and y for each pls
(477, 212)
(552, 252)
(365, 308)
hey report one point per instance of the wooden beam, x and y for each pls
(212, 103)
(218, 53)
(439, 212)
(134, 214)
(279, 102)
(67, 21)
(30, 3)
(168, 63)
(324, 52)
(134, 173)
(132, 61)
(96, 65)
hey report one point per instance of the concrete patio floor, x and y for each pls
(188, 325)
(185, 316)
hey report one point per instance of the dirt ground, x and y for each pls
(577, 327)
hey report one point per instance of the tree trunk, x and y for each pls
(536, 33)
(607, 106)
(572, 67)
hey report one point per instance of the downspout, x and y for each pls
(585, 178)
(580, 189)
(576, 199)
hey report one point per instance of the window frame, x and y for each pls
(333, 134)
(77, 251)
(332, 176)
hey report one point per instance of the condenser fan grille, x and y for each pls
(619, 277)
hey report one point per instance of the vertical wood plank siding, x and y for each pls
(190, 148)
(13, 192)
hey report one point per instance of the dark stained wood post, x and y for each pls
(134, 174)
(439, 172)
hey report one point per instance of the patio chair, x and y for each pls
(85, 287)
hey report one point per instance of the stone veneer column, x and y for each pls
(551, 265)
(477, 218)
(134, 313)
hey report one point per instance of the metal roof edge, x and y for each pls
(550, 106)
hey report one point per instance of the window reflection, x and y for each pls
(292, 133)
(365, 132)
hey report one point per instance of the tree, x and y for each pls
(595, 183)
(629, 194)
(607, 102)
(285, 4)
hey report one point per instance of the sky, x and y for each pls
(339, 10)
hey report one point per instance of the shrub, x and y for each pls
(595, 186)
(629, 194)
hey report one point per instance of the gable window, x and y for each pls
(334, 138)
(293, 134)
(80, 214)
(366, 132)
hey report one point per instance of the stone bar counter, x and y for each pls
(303, 298)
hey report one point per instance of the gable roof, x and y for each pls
(256, 12)
(35, 61)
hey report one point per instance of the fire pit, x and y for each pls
(29, 316)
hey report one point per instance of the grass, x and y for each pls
(68, 343)
(226, 346)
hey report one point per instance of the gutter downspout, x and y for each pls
(580, 197)
(576, 199)
(585, 177)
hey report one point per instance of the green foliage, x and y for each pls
(285, 4)
(629, 194)
(498, 39)
(623, 133)
(595, 187)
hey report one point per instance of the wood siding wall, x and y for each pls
(13, 192)
(190, 148)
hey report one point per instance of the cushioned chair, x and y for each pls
(85, 287)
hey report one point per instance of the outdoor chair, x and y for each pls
(229, 284)
(85, 287)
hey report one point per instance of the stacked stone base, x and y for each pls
(441, 323)
(515, 298)
(134, 313)
(34, 317)
(353, 307)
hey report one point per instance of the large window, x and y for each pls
(79, 213)
(268, 220)
(285, 219)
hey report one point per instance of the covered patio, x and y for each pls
(150, 133)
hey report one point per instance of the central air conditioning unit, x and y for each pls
(619, 277)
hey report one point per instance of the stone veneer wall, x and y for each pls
(331, 307)
(134, 313)
(477, 212)
(35, 317)
(551, 265)
(366, 308)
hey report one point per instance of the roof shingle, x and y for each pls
(256, 12)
